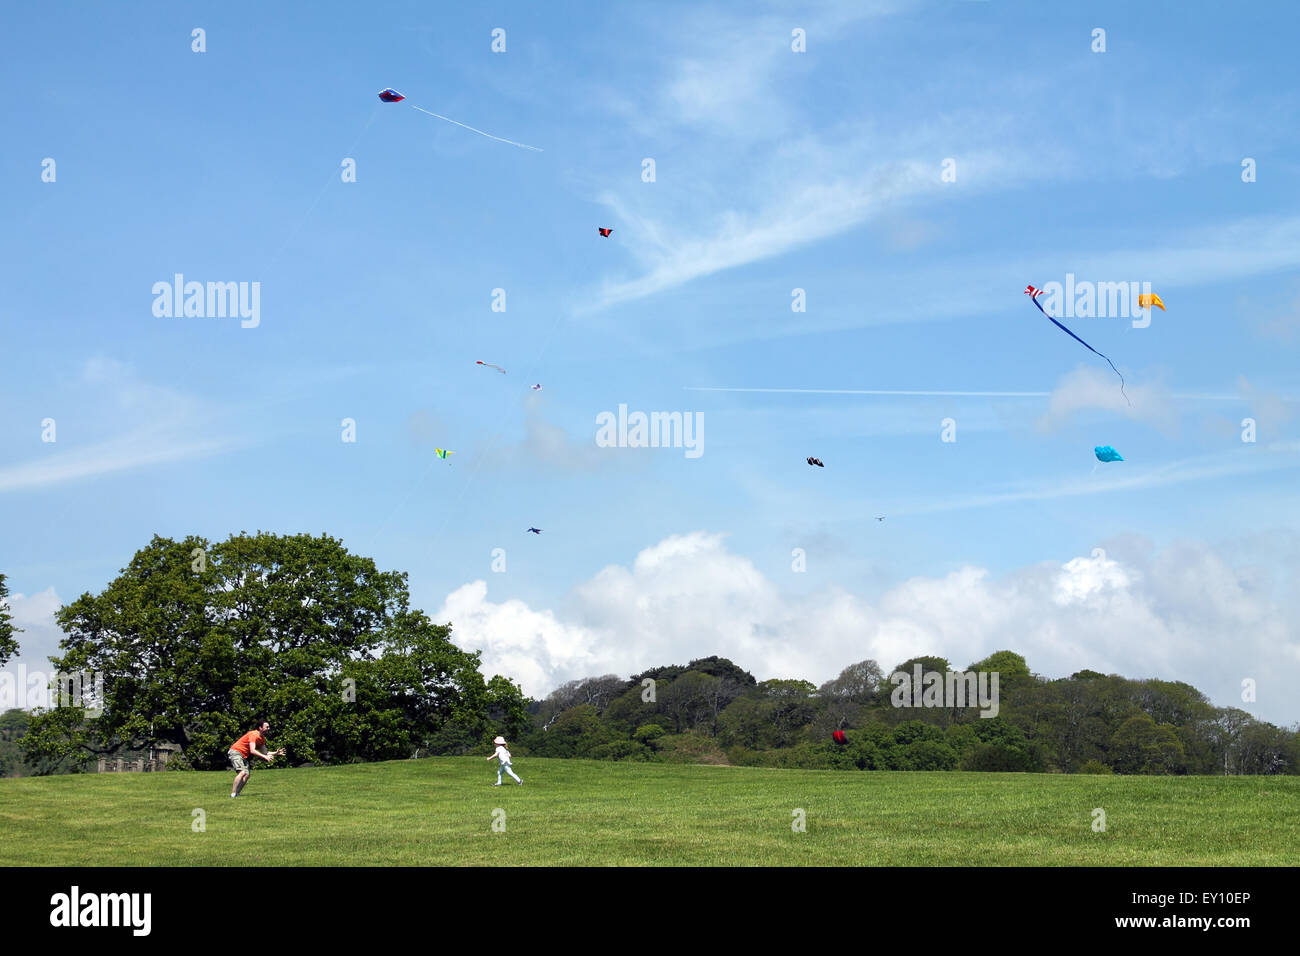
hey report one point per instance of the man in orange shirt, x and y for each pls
(245, 747)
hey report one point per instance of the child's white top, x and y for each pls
(502, 754)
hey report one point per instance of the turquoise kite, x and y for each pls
(1106, 453)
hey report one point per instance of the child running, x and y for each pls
(504, 756)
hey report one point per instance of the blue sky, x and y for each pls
(774, 171)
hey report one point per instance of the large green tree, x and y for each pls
(195, 641)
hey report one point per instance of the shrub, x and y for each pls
(689, 748)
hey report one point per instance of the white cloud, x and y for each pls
(1082, 579)
(1184, 613)
(1098, 388)
(531, 647)
(38, 641)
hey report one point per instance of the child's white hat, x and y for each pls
(499, 740)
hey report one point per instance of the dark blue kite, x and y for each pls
(1033, 295)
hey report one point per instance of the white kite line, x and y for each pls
(870, 391)
(886, 391)
(535, 149)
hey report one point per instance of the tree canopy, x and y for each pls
(195, 641)
(8, 642)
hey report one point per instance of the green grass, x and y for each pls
(439, 812)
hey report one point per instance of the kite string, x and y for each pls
(479, 131)
(303, 218)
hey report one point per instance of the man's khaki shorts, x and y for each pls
(239, 762)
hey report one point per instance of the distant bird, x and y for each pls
(535, 530)
(817, 462)
(535, 388)
(880, 517)
(604, 232)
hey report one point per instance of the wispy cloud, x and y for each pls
(155, 424)
(811, 212)
(744, 190)
(139, 449)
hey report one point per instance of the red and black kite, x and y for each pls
(604, 232)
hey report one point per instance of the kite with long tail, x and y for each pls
(1033, 295)
(392, 96)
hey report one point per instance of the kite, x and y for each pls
(839, 737)
(535, 530)
(880, 517)
(1033, 295)
(490, 365)
(1148, 299)
(392, 96)
(535, 388)
(1106, 453)
(605, 232)
(443, 453)
(817, 462)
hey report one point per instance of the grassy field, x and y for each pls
(440, 811)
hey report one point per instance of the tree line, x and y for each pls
(196, 640)
(713, 710)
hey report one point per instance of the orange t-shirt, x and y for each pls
(242, 745)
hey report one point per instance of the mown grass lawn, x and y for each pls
(440, 811)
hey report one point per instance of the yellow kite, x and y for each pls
(1148, 299)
